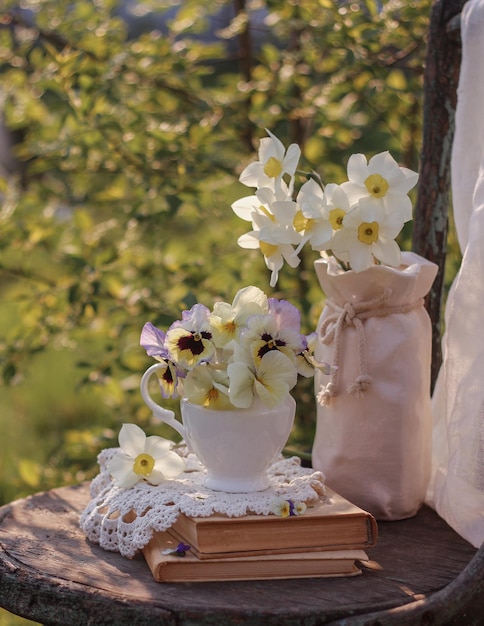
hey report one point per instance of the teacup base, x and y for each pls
(237, 485)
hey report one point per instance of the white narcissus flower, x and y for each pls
(273, 163)
(369, 233)
(273, 230)
(337, 205)
(143, 458)
(226, 320)
(281, 233)
(261, 202)
(381, 180)
(312, 219)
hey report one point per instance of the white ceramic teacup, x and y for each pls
(236, 446)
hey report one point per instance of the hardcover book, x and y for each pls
(331, 525)
(189, 568)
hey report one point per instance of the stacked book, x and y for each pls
(329, 539)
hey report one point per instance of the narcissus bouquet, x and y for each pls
(357, 221)
(233, 354)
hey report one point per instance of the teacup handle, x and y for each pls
(162, 414)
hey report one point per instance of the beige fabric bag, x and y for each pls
(373, 435)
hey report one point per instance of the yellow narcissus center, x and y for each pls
(336, 218)
(301, 223)
(267, 213)
(368, 232)
(143, 464)
(272, 167)
(377, 185)
(267, 249)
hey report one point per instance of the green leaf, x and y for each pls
(30, 472)
(396, 80)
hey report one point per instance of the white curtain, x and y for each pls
(456, 488)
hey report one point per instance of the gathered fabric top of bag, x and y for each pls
(353, 298)
(409, 282)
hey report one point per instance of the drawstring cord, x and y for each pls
(354, 315)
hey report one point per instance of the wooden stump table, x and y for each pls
(420, 572)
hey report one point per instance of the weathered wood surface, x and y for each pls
(50, 573)
(442, 70)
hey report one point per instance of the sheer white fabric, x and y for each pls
(456, 488)
(123, 520)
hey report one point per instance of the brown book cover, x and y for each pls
(188, 568)
(335, 524)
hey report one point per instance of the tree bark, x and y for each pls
(441, 78)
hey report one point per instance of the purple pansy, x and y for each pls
(153, 341)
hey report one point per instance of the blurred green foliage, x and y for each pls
(7, 619)
(128, 149)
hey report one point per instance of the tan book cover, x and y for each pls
(188, 568)
(336, 524)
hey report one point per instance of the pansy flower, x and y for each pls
(250, 349)
(265, 333)
(153, 341)
(285, 315)
(286, 508)
(143, 458)
(306, 362)
(270, 378)
(227, 320)
(180, 550)
(189, 340)
(207, 386)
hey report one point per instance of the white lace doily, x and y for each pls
(124, 520)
